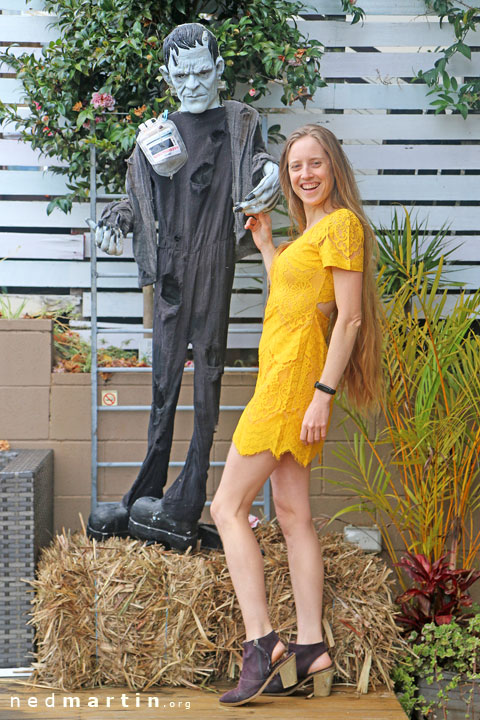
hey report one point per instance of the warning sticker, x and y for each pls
(109, 397)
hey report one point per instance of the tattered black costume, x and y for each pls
(192, 266)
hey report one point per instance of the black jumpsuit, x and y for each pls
(192, 297)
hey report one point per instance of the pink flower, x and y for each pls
(252, 92)
(253, 521)
(102, 100)
(98, 119)
(38, 107)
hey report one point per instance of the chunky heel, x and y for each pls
(288, 672)
(322, 682)
(305, 655)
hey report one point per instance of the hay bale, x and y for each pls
(124, 613)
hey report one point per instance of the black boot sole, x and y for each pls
(98, 535)
(167, 537)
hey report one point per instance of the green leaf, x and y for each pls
(465, 50)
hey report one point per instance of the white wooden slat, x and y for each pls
(7, 127)
(38, 304)
(27, 28)
(363, 125)
(371, 7)
(248, 337)
(465, 248)
(11, 90)
(372, 187)
(419, 32)
(32, 182)
(22, 5)
(69, 273)
(129, 304)
(392, 64)
(335, 96)
(450, 302)
(338, 96)
(327, 7)
(419, 187)
(469, 275)
(468, 250)
(459, 219)
(384, 65)
(4, 68)
(29, 246)
(64, 274)
(18, 153)
(24, 213)
(17, 246)
(33, 214)
(413, 157)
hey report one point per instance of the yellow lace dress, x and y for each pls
(293, 346)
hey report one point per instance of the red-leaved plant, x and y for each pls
(440, 593)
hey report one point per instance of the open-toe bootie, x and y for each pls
(305, 655)
(258, 670)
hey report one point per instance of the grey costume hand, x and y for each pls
(265, 195)
(108, 237)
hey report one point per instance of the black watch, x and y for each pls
(325, 388)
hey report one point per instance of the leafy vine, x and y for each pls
(449, 94)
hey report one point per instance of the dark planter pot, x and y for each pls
(26, 524)
(457, 707)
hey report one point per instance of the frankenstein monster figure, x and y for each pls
(190, 259)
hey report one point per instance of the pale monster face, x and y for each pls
(195, 77)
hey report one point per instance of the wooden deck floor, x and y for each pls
(185, 704)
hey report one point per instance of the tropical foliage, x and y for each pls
(440, 593)
(404, 249)
(423, 490)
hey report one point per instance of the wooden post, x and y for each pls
(148, 308)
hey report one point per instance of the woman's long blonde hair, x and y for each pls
(362, 376)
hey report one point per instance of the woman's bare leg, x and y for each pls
(290, 488)
(242, 479)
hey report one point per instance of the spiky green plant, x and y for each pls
(427, 484)
(403, 249)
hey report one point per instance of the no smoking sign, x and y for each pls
(109, 397)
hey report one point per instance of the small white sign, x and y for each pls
(109, 397)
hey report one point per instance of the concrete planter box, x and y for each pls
(26, 525)
(456, 708)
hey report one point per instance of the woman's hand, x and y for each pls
(260, 225)
(316, 418)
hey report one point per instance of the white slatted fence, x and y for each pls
(401, 153)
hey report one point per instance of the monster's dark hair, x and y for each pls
(188, 36)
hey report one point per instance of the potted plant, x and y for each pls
(440, 677)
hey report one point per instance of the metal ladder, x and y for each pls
(94, 275)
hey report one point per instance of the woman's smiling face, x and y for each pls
(310, 171)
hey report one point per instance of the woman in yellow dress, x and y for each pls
(320, 331)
